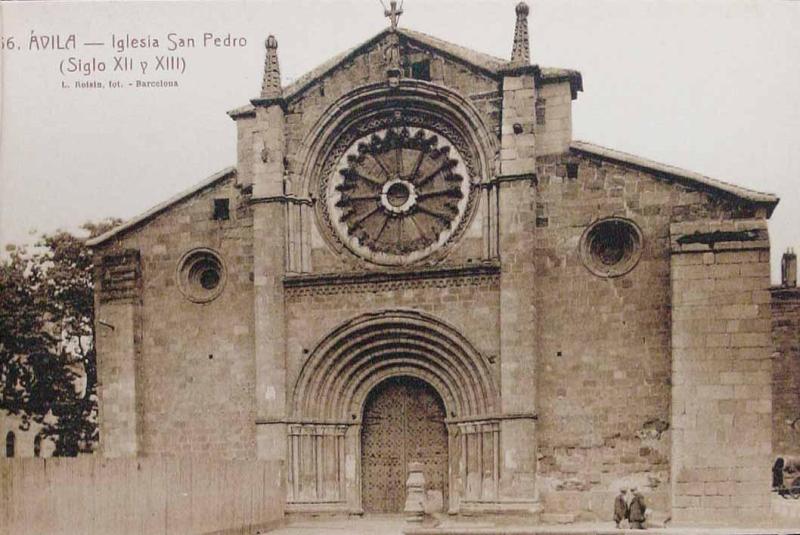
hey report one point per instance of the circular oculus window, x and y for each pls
(201, 275)
(398, 194)
(611, 247)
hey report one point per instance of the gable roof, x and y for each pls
(159, 208)
(490, 65)
(687, 178)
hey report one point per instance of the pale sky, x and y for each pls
(713, 87)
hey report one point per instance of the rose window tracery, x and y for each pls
(398, 194)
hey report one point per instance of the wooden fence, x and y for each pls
(139, 496)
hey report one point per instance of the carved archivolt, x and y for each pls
(354, 358)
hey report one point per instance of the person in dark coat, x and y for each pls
(777, 474)
(636, 510)
(620, 507)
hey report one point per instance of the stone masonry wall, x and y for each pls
(116, 367)
(786, 371)
(553, 126)
(603, 376)
(470, 304)
(518, 350)
(721, 372)
(194, 372)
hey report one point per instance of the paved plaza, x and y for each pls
(397, 525)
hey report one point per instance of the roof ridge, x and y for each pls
(464, 52)
(481, 60)
(157, 209)
(299, 84)
(692, 176)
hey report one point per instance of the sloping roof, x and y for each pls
(154, 211)
(688, 178)
(489, 64)
(478, 59)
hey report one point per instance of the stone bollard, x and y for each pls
(415, 493)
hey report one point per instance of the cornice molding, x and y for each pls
(522, 177)
(338, 282)
(283, 199)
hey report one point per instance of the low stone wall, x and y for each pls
(138, 496)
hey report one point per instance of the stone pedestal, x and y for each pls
(415, 493)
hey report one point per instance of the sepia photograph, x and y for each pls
(384, 267)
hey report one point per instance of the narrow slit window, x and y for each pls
(541, 109)
(421, 70)
(572, 170)
(222, 209)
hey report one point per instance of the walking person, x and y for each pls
(637, 510)
(777, 476)
(620, 507)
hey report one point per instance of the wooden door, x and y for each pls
(403, 421)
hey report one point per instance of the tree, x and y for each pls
(47, 337)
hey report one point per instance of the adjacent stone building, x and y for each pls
(23, 437)
(414, 261)
(786, 361)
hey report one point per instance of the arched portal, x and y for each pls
(403, 421)
(341, 387)
(361, 353)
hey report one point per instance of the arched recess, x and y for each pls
(366, 102)
(377, 107)
(332, 388)
(345, 366)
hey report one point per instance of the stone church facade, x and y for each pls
(414, 261)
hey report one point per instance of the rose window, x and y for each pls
(398, 194)
(201, 275)
(611, 247)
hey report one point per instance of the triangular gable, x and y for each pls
(689, 179)
(487, 64)
(143, 218)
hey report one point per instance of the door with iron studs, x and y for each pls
(403, 421)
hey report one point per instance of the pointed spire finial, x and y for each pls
(521, 53)
(271, 86)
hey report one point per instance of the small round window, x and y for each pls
(611, 247)
(201, 275)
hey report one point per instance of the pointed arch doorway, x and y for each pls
(403, 421)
